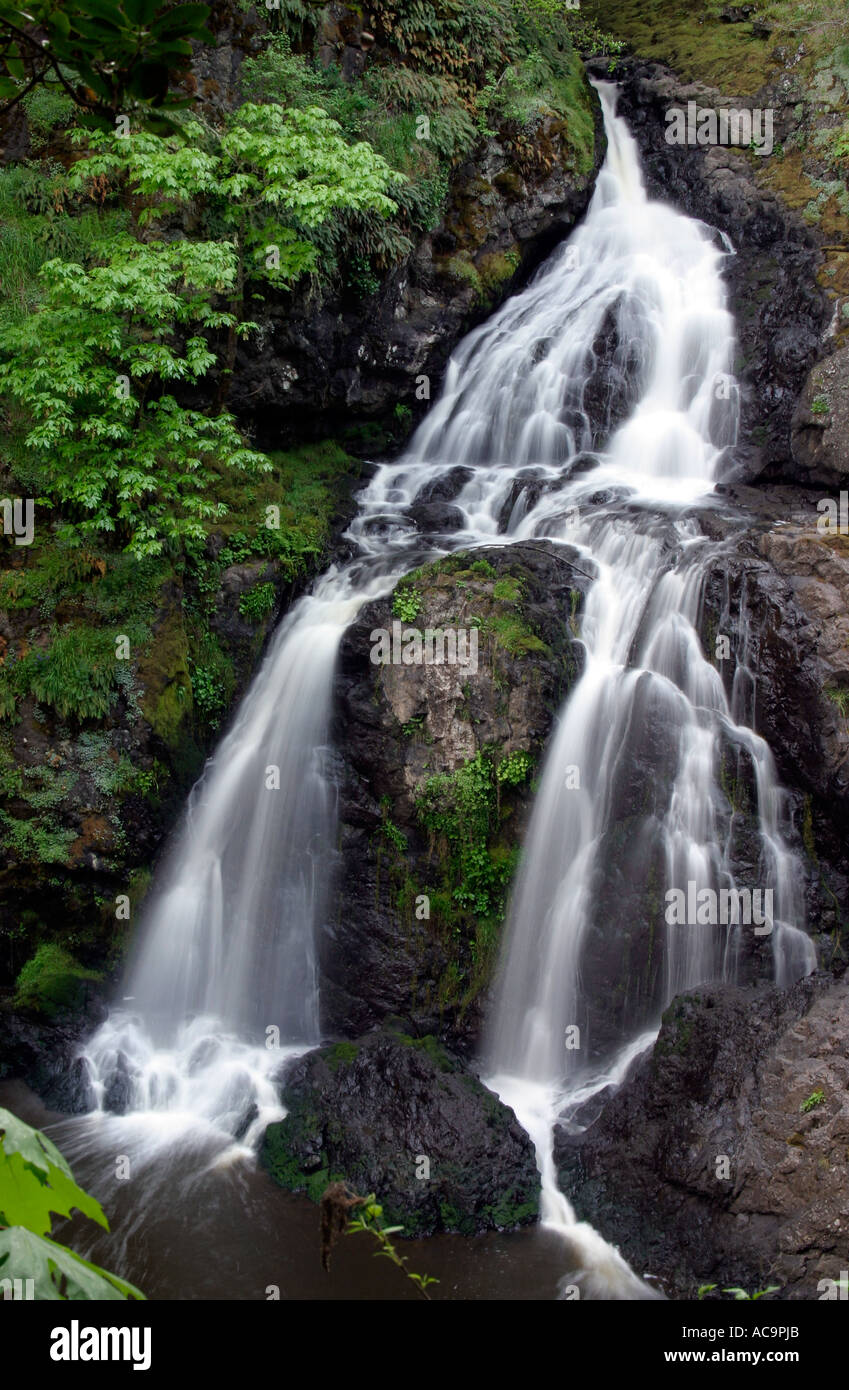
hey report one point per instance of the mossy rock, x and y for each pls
(401, 1117)
(53, 982)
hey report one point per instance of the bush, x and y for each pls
(257, 603)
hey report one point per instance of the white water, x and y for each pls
(227, 948)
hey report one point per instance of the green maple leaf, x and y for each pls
(57, 1273)
(35, 1180)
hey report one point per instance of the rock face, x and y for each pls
(779, 587)
(42, 1053)
(722, 1159)
(402, 1118)
(782, 316)
(820, 426)
(436, 762)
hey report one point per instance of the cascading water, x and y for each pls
(227, 949)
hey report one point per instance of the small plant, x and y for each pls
(839, 696)
(514, 769)
(257, 603)
(820, 406)
(395, 836)
(740, 1295)
(403, 417)
(413, 726)
(814, 1099)
(406, 603)
(370, 1221)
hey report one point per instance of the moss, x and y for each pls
(53, 982)
(497, 269)
(808, 830)
(507, 590)
(163, 673)
(341, 1055)
(516, 637)
(462, 272)
(511, 1210)
(429, 1045)
(678, 1022)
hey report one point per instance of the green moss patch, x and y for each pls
(53, 982)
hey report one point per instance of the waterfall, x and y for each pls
(643, 656)
(536, 434)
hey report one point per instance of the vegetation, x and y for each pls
(52, 981)
(739, 1295)
(106, 57)
(369, 1220)
(36, 1183)
(813, 1100)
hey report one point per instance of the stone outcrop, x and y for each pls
(408, 732)
(722, 1158)
(401, 1117)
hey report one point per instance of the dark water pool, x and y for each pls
(180, 1232)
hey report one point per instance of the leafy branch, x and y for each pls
(337, 1202)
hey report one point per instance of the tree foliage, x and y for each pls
(100, 368)
(111, 57)
(91, 368)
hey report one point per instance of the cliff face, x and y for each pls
(436, 778)
(720, 1160)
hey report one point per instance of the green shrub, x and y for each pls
(257, 603)
(406, 603)
(78, 674)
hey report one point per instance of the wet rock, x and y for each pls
(119, 1088)
(722, 1158)
(414, 925)
(820, 427)
(436, 517)
(446, 486)
(44, 1054)
(780, 592)
(402, 1118)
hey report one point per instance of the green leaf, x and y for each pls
(13, 62)
(185, 19)
(36, 1180)
(60, 22)
(100, 9)
(57, 1273)
(140, 12)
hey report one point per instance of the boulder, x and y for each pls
(722, 1158)
(402, 1118)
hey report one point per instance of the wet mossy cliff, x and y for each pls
(437, 770)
